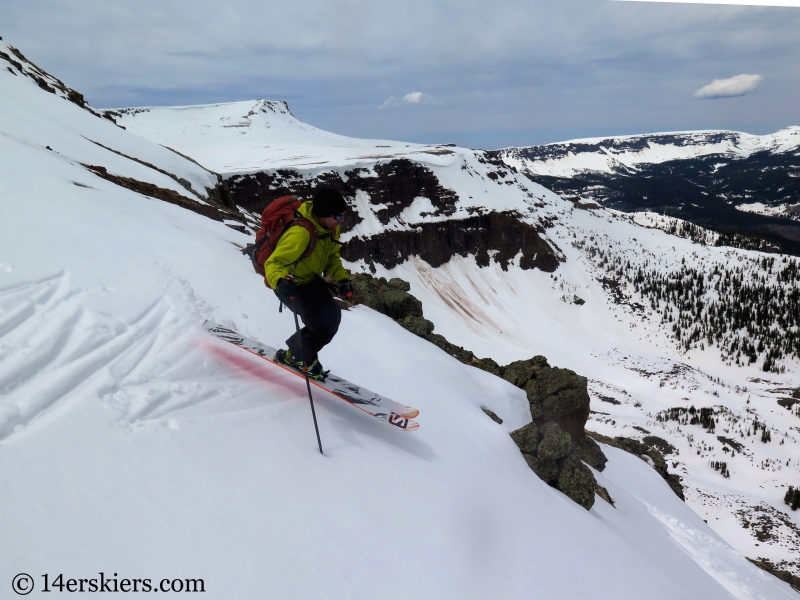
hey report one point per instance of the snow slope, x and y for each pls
(133, 444)
(584, 316)
(250, 136)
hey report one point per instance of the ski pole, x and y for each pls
(308, 383)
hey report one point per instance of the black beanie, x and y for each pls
(328, 202)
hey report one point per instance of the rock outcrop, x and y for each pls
(554, 444)
(492, 236)
(648, 448)
(391, 187)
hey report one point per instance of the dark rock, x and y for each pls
(560, 395)
(590, 453)
(368, 291)
(527, 438)
(782, 574)
(167, 195)
(400, 304)
(737, 446)
(660, 444)
(519, 372)
(546, 470)
(486, 364)
(399, 284)
(555, 443)
(674, 482)
(437, 242)
(417, 325)
(492, 415)
(390, 298)
(603, 493)
(643, 450)
(576, 481)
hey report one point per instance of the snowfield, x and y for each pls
(132, 443)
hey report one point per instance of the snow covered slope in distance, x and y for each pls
(132, 443)
(567, 159)
(508, 270)
(249, 136)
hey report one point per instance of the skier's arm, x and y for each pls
(334, 268)
(290, 248)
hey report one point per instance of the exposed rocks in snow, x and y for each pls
(391, 188)
(554, 444)
(554, 456)
(783, 575)
(492, 415)
(649, 447)
(171, 196)
(390, 298)
(218, 195)
(494, 236)
(22, 66)
(392, 185)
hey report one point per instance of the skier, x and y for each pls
(297, 282)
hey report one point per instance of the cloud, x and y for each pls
(526, 71)
(727, 88)
(413, 98)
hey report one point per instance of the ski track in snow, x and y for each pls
(715, 556)
(55, 353)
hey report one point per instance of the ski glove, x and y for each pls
(346, 290)
(286, 290)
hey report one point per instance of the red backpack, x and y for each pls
(277, 217)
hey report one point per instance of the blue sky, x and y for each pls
(480, 74)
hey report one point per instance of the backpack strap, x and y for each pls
(312, 231)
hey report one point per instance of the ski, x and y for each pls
(380, 407)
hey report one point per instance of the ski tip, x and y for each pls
(410, 413)
(400, 422)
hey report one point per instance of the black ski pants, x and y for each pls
(321, 316)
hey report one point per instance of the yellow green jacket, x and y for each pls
(285, 260)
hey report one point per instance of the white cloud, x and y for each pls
(727, 88)
(391, 101)
(413, 98)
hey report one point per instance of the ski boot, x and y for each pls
(285, 357)
(315, 371)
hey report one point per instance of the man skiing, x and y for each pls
(297, 282)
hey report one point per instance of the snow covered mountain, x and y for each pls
(132, 444)
(507, 269)
(607, 155)
(724, 180)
